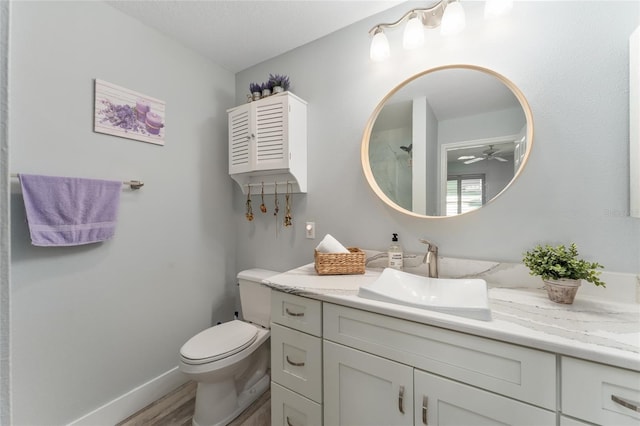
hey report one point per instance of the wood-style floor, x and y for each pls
(176, 409)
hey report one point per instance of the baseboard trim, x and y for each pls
(134, 400)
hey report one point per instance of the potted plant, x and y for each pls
(279, 83)
(561, 270)
(256, 90)
(266, 89)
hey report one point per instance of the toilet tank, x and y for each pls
(255, 298)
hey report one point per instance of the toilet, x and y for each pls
(230, 361)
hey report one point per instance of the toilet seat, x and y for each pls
(218, 342)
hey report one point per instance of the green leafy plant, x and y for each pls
(554, 263)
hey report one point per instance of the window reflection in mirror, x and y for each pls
(447, 141)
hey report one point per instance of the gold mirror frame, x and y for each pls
(364, 153)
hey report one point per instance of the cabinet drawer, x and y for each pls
(517, 372)
(589, 390)
(290, 409)
(296, 312)
(296, 361)
(440, 401)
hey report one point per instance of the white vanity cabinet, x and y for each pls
(440, 401)
(268, 141)
(337, 365)
(365, 390)
(371, 362)
(296, 360)
(599, 393)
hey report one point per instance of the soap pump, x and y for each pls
(395, 253)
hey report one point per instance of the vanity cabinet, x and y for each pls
(379, 363)
(440, 401)
(364, 389)
(268, 142)
(599, 393)
(296, 360)
(336, 365)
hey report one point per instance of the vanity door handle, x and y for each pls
(293, 314)
(626, 403)
(401, 399)
(295, 364)
(425, 405)
(289, 422)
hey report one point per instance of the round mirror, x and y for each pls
(447, 141)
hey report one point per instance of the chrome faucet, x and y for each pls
(431, 258)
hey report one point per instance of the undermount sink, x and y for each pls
(463, 297)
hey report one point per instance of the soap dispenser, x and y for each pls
(395, 254)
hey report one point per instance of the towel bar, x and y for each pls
(133, 184)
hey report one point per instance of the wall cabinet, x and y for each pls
(379, 370)
(268, 143)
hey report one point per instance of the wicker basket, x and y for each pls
(340, 263)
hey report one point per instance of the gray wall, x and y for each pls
(570, 59)
(91, 323)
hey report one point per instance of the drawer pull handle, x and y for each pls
(293, 314)
(626, 403)
(401, 400)
(425, 408)
(289, 422)
(295, 364)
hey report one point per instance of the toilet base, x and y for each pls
(242, 401)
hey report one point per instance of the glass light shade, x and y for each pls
(413, 34)
(379, 50)
(497, 8)
(453, 20)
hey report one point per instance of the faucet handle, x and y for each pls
(427, 242)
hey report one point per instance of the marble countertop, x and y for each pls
(590, 328)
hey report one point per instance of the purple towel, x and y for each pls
(64, 211)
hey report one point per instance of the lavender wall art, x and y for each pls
(128, 114)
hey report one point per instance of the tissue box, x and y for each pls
(340, 263)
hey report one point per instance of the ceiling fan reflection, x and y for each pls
(487, 154)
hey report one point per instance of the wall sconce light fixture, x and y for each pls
(447, 14)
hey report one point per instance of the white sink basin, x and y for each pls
(462, 297)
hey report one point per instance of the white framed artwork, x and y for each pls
(122, 112)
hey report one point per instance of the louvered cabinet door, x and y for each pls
(240, 140)
(271, 134)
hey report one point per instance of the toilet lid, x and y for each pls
(219, 342)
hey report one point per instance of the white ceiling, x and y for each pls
(239, 34)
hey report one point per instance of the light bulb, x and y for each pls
(497, 8)
(453, 19)
(413, 33)
(379, 47)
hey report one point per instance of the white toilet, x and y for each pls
(230, 361)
